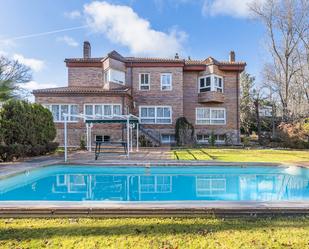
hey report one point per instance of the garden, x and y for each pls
(243, 155)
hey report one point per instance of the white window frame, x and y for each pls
(140, 82)
(171, 83)
(156, 116)
(101, 104)
(60, 183)
(169, 140)
(205, 141)
(109, 71)
(210, 118)
(213, 88)
(218, 87)
(200, 192)
(49, 107)
(156, 184)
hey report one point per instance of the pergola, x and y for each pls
(130, 120)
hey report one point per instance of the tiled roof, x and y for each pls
(152, 59)
(79, 89)
(114, 54)
(86, 60)
(232, 63)
(211, 60)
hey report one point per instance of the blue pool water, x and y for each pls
(95, 183)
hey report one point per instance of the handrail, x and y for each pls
(143, 130)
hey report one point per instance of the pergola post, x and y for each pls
(65, 139)
(90, 137)
(131, 138)
(137, 127)
(87, 135)
(128, 136)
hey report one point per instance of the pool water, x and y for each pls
(96, 183)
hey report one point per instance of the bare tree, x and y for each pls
(12, 73)
(246, 104)
(286, 22)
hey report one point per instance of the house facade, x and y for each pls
(157, 90)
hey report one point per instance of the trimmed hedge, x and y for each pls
(26, 130)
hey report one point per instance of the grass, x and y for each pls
(158, 233)
(243, 155)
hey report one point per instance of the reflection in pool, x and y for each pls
(95, 183)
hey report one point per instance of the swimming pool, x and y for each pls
(145, 184)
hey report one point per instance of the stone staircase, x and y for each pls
(153, 136)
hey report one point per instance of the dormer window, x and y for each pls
(116, 76)
(211, 83)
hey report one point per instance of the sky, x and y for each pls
(41, 34)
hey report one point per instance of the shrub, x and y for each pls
(144, 142)
(184, 132)
(51, 146)
(82, 143)
(294, 135)
(26, 130)
(212, 139)
(246, 141)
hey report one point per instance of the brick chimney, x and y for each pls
(87, 50)
(232, 56)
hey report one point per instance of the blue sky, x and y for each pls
(42, 34)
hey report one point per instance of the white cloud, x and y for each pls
(120, 24)
(73, 14)
(68, 40)
(235, 8)
(7, 44)
(3, 53)
(35, 64)
(32, 85)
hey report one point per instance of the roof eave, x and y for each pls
(233, 67)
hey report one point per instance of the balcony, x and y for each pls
(211, 97)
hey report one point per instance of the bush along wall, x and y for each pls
(26, 130)
(184, 132)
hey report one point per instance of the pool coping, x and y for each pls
(8, 170)
(154, 209)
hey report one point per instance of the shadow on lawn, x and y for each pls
(76, 229)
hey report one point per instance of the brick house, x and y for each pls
(157, 90)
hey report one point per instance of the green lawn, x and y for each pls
(161, 233)
(243, 155)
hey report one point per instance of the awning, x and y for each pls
(115, 119)
(109, 121)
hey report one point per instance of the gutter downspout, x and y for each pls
(237, 111)
(123, 108)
